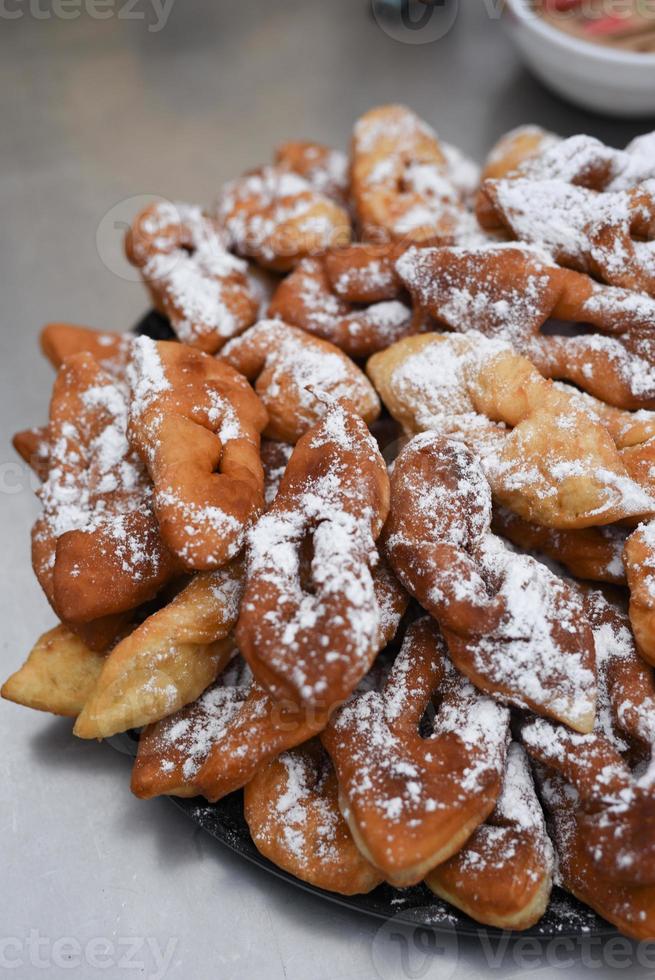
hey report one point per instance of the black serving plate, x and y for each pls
(416, 906)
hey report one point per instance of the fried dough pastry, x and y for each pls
(305, 299)
(612, 784)
(60, 341)
(96, 548)
(34, 449)
(297, 376)
(544, 456)
(587, 162)
(191, 276)
(631, 908)
(364, 272)
(216, 744)
(605, 234)
(411, 802)
(594, 553)
(515, 148)
(276, 217)
(579, 160)
(195, 423)
(169, 660)
(324, 169)
(401, 182)
(511, 292)
(291, 808)
(514, 628)
(503, 875)
(507, 156)
(639, 562)
(58, 676)
(310, 621)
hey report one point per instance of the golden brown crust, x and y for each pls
(514, 628)
(101, 554)
(502, 877)
(58, 675)
(310, 620)
(297, 377)
(60, 341)
(544, 454)
(610, 786)
(169, 660)
(32, 446)
(305, 299)
(399, 179)
(292, 810)
(512, 293)
(325, 169)
(191, 276)
(594, 553)
(277, 218)
(216, 744)
(408, 800)
(195, 423)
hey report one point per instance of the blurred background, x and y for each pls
(172, 97)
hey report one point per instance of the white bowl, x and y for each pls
(617, 83)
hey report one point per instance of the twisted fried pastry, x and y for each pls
(613, 789)
(34, 449)
(277, 218)
(364, 272)
(510, 292)
(557, 466)
(215, 745)
(96, 548)
(324, 169)
(305, 299)
(514, 628)
(310, 620)
(297, 376)
(195, 422)
(401, 182)
(58, 675)
(112, 351)
(506, 158)
(631, 908)
(516, 148)
(292, 811)
(579, 160)
(98, 635)
(594, 553)
(191, 276)
(503, 875)
(605, 234)
(169, 660)
(412, 802)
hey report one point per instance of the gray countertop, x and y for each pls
(94, 114)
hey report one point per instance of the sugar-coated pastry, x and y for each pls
(297, 377)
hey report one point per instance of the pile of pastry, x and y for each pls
(372, 537)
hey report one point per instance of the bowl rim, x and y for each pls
(601, 53)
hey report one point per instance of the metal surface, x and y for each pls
(95, 112)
